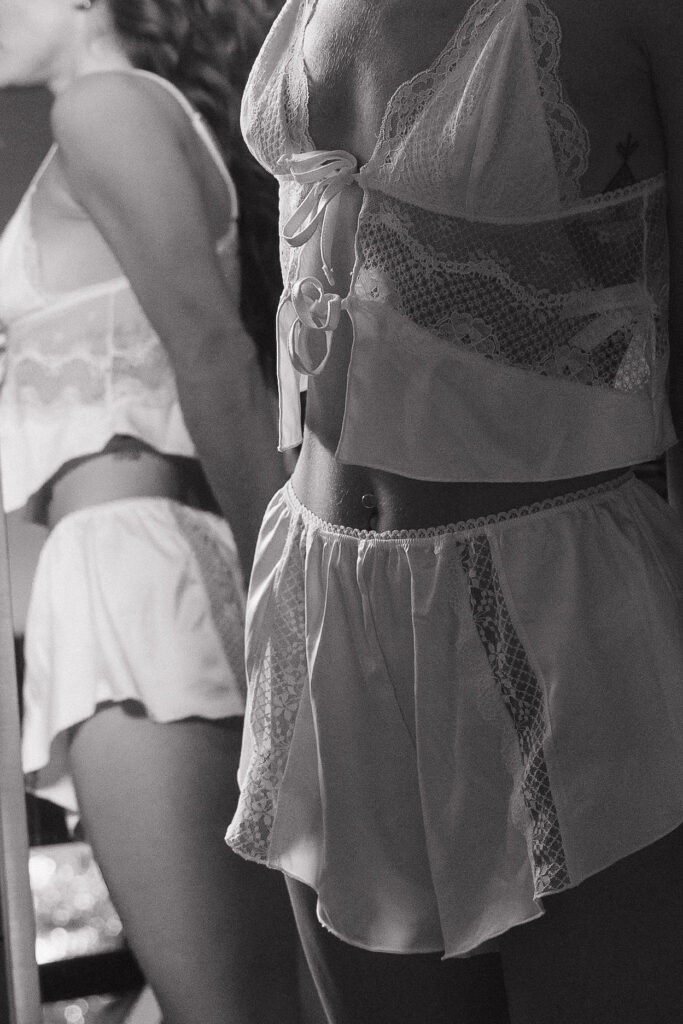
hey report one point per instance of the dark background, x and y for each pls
(24, 139)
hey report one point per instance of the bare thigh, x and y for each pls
(213, 934)
(609, 951)
(361, 987)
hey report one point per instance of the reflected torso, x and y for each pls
(68, 255)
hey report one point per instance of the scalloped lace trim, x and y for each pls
(465, 526)
(411, 98)
(568, 137)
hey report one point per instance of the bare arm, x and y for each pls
(661, 28)
(126, 162)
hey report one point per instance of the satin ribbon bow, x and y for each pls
(329, 171)
(315, 310)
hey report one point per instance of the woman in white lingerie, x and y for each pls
(128, 360)
(465, 621)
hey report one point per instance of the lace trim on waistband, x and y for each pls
(462, 527)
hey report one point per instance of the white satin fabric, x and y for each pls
(445, 727)
(139, 599)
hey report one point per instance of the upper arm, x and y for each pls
(661, 26)
(125, 158)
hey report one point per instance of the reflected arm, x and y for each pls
(125, 156)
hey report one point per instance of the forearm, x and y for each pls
(233, 426)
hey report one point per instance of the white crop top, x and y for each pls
(84, 365)
(505, 328)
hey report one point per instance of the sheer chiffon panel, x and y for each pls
(445, 727)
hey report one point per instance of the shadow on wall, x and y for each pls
(24, 140)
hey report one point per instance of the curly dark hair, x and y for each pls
(206, 49)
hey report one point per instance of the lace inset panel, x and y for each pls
(220, 573)
(101, 349)
(524, 700)
(568, 137)
(579, 297)
(276, 693)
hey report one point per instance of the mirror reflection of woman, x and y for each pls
(128, 364)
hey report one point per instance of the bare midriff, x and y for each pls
(367, 499)
(111, 476)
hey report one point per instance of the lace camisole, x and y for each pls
(504, 327)
(85, 365)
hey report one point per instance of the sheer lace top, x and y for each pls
(505, 327)
(83, 365)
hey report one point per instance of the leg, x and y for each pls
(609, 951)
(213, 934)
(360, 987)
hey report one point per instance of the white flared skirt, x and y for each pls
(447, 726)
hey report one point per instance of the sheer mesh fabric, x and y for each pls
(578, 297)
(274, 113)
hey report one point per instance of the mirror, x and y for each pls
(64, 877)
(54, 903)
(23, 140)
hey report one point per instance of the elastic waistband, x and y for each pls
(465, 527)
(136, 506)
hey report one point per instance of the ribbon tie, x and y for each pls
(329, 171)
(316, 310)
(307, 309)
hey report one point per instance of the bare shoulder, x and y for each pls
(107, 111)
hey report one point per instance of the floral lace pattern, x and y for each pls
(568, 137)
(220, 573)
(107, 353)
(412, 98)
(581, 298)
(523, 697)
(273, 706)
